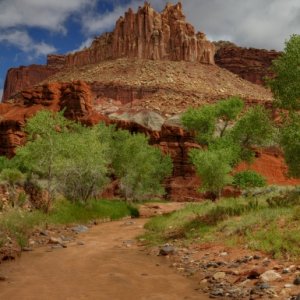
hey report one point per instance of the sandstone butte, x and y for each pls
(142, 76)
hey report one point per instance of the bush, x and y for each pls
(289, 198)
(248, 179)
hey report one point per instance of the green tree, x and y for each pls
(40, 153)
(290, 143)
(286, 89)
(248, 179)
(285, 86)
(253, 129)
(82, 164)
(228, 142)
(213, 169)
(12, 177)
(140, 167)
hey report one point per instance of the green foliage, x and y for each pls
(12, 177)
(232, 149)
(228, 110)
(201, 120)
(285, 199)
(76, 160)
(140, 167)
(253, 129)
(82, 164)
(213, 169)
(290, 143)
(4, 162)
(248, 179)
(285, 86)
(19, 224)
(229, 139)
(273, 230)
(65, 212)
(40, 154)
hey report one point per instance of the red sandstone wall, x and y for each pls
(249, 63)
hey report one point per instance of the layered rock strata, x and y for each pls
(148, 34)
(18, 79)
(249, 63)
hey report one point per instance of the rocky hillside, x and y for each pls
(142, 90)
(249, 63)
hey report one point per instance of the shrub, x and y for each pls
(248, 179)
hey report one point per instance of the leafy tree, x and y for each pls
(40, 154)
(213, 170)
(290, 143)
(285, 86)
(12, 177)
(3, 162)
(231, 143)
(202, 121)
(248, 179)
(82, 164)
(253, 129)
(286, 89)
(228, 110)
(139, 166)
(76, 160)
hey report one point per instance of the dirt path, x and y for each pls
(108, 266)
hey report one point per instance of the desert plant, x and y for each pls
(248, 179)
(140, 167)
(226, 147)
(12, 177)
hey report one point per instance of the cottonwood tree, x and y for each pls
(82, 164)
(140, 167)
(228, 136)
(286, 89)
(40, 154)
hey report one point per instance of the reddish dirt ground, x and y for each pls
(109, 265)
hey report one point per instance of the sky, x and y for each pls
(31, 29)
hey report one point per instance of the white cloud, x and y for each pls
(45, 14)
(24, 42)
(83, 45)
(95, 23)
(255, 23)
(1, 94)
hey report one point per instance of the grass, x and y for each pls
(19, 224)
(254, 222)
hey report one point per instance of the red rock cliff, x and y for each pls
(150, 35)
(249, 63)
(18, 79)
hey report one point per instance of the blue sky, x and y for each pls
(31, 29)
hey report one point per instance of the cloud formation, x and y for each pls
(256, 23)
(24, 42)
(45, 14)
(18, 16)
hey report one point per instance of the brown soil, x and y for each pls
(109, 265)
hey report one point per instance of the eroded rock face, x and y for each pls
(74, 97)
(145, 34)
(148, 34)
(249, 63)
(18, 79)
(77, 98)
